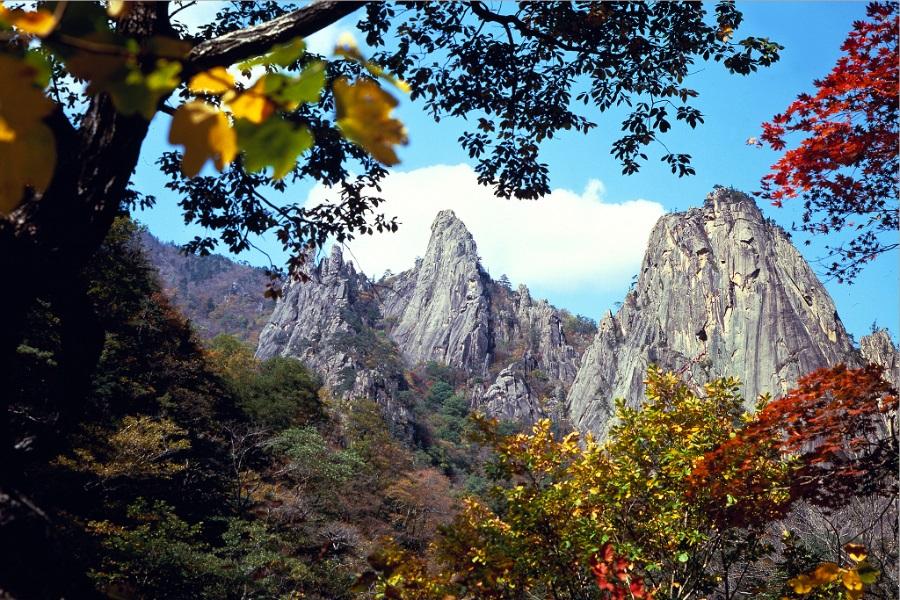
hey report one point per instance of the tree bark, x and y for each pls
(232, 47)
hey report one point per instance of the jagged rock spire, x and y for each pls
(444, 312)
(721, 291)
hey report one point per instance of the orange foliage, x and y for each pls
(837, 430)
(846, 167)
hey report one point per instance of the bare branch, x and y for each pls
(238, 45)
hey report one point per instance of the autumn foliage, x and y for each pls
(225, 117)
(613, 576)
(675, 503)
(837, 432)
(845, 168)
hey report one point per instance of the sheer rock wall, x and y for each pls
(721, 292)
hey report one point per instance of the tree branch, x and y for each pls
(480, 10)
(230, 48)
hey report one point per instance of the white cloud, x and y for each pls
(565, 241)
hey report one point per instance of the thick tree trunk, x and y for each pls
(47, 242)
(51, 237)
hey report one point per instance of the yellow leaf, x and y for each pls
(253, 104)
(725, 32)
(825, 573)
(7, 133)
(27, 146)
(205, 133)
(39, 23)
(28, 161)
(857, 552)
(363, 114)
(402, 85)
(851, 580)
(117, 8)
(216, 81)
(347, 47)
(801, 584)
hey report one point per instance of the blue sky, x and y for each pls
(587, 267)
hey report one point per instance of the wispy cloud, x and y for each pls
(566, 241)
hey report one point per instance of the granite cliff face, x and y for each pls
(442, 309)
(448, 309)
(332, 323)
(360, 335)
(721, 292)
(878, 348)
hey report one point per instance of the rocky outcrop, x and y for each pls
(447, 309)
(332, 324)
(360, 336)
(878, 348)
(721, 292)
(441, 310)
(534, 386)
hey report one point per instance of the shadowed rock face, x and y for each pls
(721, 292)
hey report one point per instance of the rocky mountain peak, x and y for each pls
(450, 240)
(721, 291)
(878, 348)
(441, 308)
(335, 263)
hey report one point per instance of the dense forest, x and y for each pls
(198, 471)
(425, 448)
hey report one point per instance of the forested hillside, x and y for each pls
(196, 471)
(218, 295)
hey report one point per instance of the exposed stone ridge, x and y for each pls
(332, 324)
(447, 309)
(878, 348)
(721, 292)
(533, 386)
(360, 336)
(441, 311)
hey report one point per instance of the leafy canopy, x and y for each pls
(520, 75)
(844, 169)
(682, 489)
(225, 119)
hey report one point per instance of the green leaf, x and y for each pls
(683, 557)
(307, 87)
(284, 56)
(38, 60)
(274, 143)
(867, 574)
(140, 93)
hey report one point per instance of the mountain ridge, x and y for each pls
(721, 291)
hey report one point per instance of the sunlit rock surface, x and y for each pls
(721, 291)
